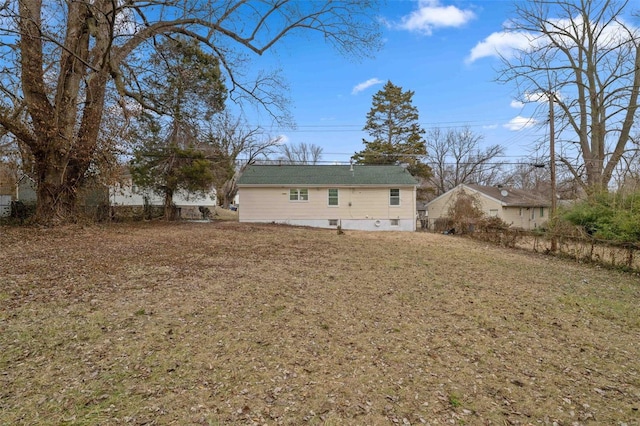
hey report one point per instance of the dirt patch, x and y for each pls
(228, 323)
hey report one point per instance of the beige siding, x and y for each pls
(490, 207)
(440, 206)
(526, 217)
(512, 216)
(272, 204)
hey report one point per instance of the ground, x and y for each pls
(229, 323)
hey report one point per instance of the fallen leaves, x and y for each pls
(251, 324)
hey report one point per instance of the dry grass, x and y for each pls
(226, 323)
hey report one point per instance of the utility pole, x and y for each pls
(552, 167)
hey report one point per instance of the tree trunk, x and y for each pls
(169, 211)
(56, 197)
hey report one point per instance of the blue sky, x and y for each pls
(443, 50)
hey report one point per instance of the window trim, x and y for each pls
(333, 222)
(298, 195)
(394, 197)
(330, 197)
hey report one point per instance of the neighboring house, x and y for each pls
(15, 186)
(20, 186)
(364, 197)
(518, 208)
(126, 195)
(26, 190)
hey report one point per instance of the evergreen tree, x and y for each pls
(393, 124)
(169, 157)
(168, 164)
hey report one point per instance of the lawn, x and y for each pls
(227, 323)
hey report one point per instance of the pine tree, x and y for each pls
(166, 165)
(393, 124)
(170, 157)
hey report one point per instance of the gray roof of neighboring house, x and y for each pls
(313, 175)
(514, 197)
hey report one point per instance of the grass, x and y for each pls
(226, 323)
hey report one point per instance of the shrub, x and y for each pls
(607, 216)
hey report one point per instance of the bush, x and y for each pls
(491, 224)
(607, 216)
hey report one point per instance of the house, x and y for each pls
(92, 200)
(364, 197)
(127, 199)
(518, 208)
(15, 186)
(26, 188)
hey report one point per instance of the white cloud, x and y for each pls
(431, 14)
(566, 31)
(500, 44)
(536, 97)
(520, 123)
(533, 97)
(365, 85)
(490, 127)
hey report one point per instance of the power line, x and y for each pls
(351, 127)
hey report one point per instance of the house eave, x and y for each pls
(325, 185)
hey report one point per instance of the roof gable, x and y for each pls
(508, 197)
(313, 175)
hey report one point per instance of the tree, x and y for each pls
(64, 63)
(300, 153)
(393, 124)
(584, 58)
(628, 176)
(456, 157)
(529, 176)
(464, 211)
(185, 85)
(170, 163)
(188, 86)
(229, 138)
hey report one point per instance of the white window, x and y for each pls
(395, 222)
(533, 213)
(394, 197)
(493, 213)
(333, 222)
(299, 194)
(541, 211)
(333, 197)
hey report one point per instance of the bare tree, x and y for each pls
(584, 58)
(300, 153)
(230, 138)
(628, 174)
(61, 61)
(456, 157)
(528, 176)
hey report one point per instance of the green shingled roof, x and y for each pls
(326, 175)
